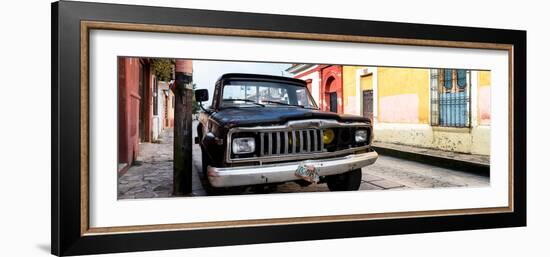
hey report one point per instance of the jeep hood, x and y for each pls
(255, 116)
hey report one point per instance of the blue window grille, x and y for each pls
(448, 80)
(461, 78)
(450, 98)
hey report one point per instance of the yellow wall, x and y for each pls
(397, 81)
(415, 82)
(366, 82)
(348, 72)
(484, 78)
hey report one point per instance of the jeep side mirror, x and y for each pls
(201, 95)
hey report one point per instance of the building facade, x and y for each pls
(324, 83)
(166, 104)
(145, 108)
(446, 109)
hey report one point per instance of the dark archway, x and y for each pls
(331, 96)
(332, 89)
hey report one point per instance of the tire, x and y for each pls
(210, 190)
(349, 181)
(204, 165)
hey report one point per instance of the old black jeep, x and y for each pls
(266, 130)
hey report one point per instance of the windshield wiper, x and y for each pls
(244, 100)
(283, 103)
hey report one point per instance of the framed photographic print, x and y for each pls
(178, 128)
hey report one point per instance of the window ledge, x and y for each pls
(451, 129)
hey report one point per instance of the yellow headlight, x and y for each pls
(328, 136)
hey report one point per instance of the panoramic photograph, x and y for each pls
(191, 128)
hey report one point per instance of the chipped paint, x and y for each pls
(475, 140)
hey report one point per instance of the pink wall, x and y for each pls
(484, 105)
(399, 108)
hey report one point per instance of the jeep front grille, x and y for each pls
(296, 140)
(291, 142)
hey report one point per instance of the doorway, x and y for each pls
(141, 102)
(333, 102)
(368, 104)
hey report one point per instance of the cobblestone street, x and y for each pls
(151, 177)
(389, 173)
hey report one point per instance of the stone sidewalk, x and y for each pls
(473, 163)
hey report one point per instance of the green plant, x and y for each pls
(163, 68)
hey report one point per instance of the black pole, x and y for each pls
(182, 132)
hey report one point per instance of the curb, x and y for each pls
(439, 161)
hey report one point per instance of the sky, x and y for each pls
(205, 73)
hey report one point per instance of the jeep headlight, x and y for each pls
(328, 136)
(243, 145)
(360, 136)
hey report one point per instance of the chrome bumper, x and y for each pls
(283, 172)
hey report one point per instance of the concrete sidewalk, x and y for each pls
(446, 159)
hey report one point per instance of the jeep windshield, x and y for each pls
(239, 93)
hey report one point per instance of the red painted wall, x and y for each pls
(331, 81)
(128, 109)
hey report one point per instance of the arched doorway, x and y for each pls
(331, 90)
(331, 96)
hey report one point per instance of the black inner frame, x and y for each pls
(65, 166)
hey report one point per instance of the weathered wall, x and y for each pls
(331, 81)
(401, 133)
(402, 108)
(349, 89)
(481, 140)
(484, 98)
(481, 135)
(155, 128)
(171, 110)
(128, 112)
(157, 121)
(352, 101)
(465, 140)
(397, 124)
(366, 82)
(315, 78)
(403, 95)
(165, 103)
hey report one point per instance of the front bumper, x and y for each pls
(283, 172)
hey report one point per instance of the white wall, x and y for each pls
(315, 84)
(158, 120)
(25, 219)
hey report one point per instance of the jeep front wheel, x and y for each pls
(349, 181)
(210, 190)
(205, 161)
